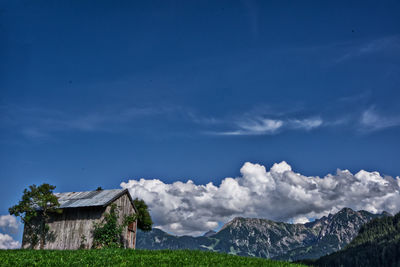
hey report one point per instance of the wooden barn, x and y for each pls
(72, 228)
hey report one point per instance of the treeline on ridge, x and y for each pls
(377, 244)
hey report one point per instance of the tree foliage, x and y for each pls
(144, 219)
(34, 208)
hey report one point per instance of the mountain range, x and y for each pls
(269, 239)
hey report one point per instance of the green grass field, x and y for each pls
(124, 257)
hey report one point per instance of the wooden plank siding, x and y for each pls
(68, 227)
(125, 208)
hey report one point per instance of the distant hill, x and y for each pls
(377, 244)
(269, 239)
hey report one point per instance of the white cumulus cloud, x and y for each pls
(8, 223)
(7, 242)
(278, 194)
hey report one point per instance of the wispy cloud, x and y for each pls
(389, 43)
(372, 121)
(41, 123)
(44, 124)
(268, 126)
(357, 98)
(194, 117)
(256, 127)
(307, 124)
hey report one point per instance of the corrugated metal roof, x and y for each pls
(88, 198)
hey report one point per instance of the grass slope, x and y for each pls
(125, 257)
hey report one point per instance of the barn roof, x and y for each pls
(90, 198)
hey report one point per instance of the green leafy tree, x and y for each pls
(34, 208)
(144, 219)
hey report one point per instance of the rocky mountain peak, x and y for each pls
(346, 211)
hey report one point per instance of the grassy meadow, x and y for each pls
(125, 257)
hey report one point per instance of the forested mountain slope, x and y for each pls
(377, 244)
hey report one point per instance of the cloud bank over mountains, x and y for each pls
(278, 194)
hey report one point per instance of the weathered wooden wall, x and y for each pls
(125, 209)
(68, 227)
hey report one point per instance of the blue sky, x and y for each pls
(93, 94)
